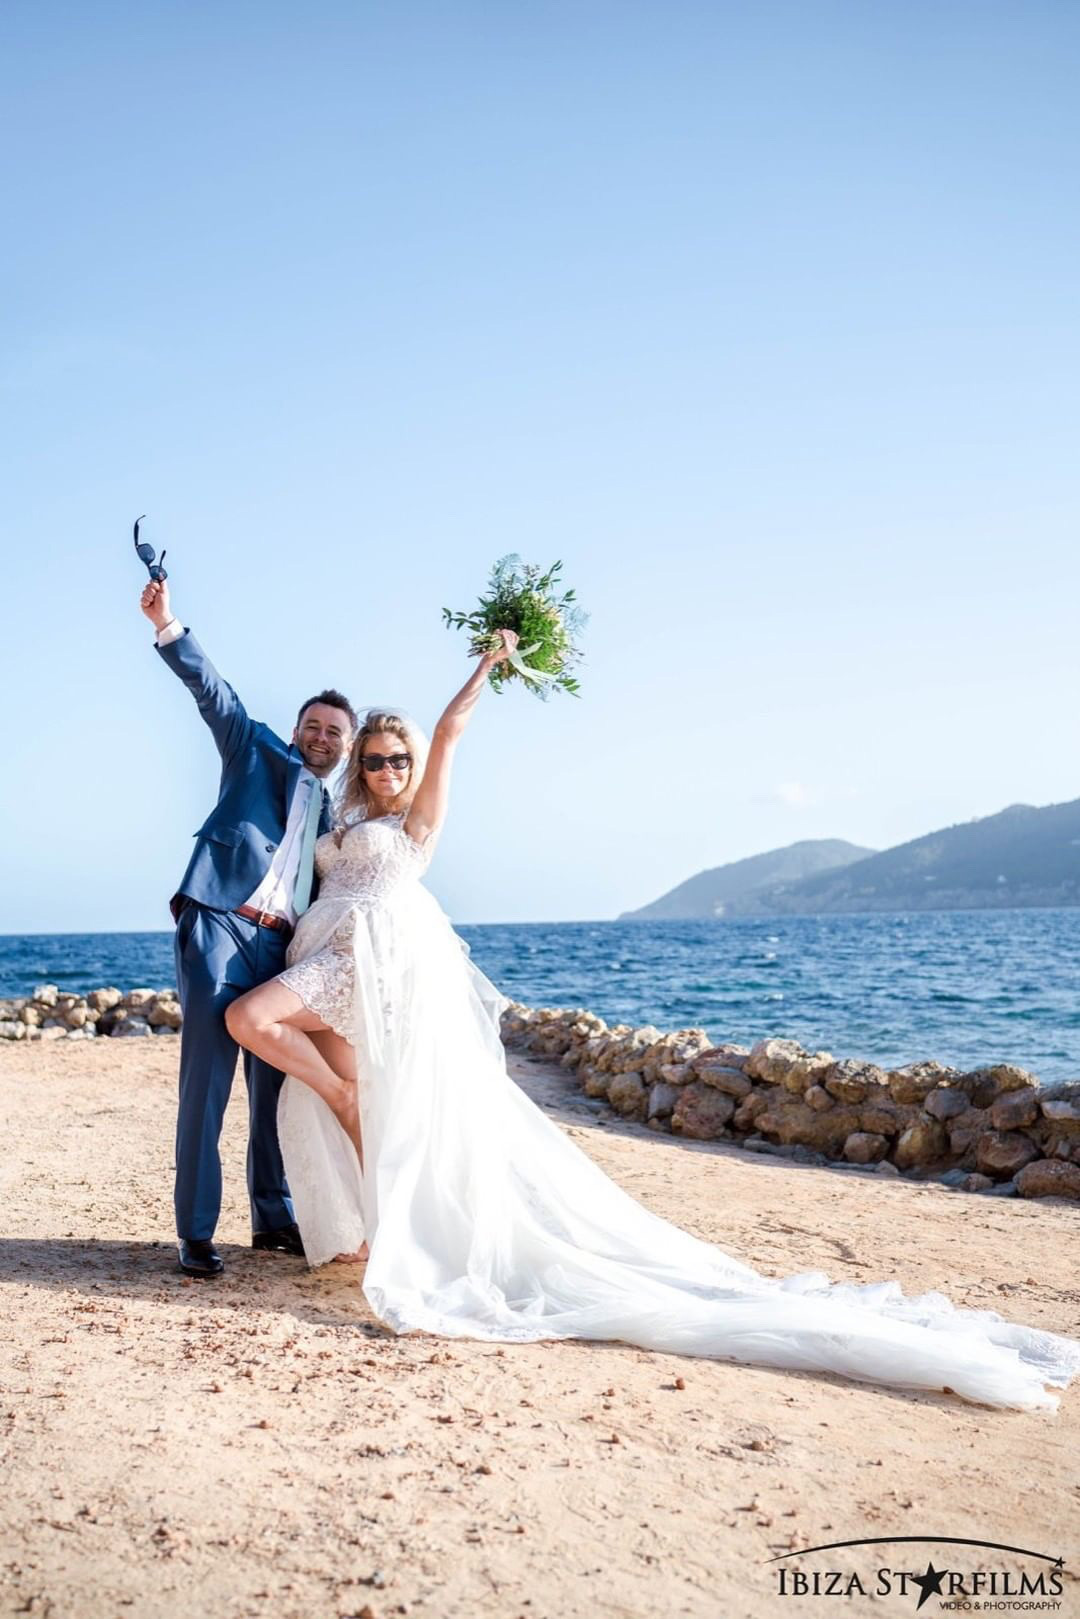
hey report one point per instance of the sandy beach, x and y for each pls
(261, 1445)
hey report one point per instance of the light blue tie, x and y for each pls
(306, 872)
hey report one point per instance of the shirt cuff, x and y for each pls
(172, 632)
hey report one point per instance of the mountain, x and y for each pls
(1021, 856)
(726, 890)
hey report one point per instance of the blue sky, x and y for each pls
(762, 317)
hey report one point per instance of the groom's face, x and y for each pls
(322, 738)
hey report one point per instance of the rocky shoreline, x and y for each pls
(52, 1014)
(994, 1130)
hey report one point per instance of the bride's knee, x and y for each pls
(242, 1019)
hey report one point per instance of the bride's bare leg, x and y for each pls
(273, 1022)
(342, 1059)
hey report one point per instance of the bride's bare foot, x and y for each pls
(352, 1259)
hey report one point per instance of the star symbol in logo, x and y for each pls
(929, 1583)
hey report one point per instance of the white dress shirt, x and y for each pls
(275, 893)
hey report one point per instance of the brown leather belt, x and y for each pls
(265, 919)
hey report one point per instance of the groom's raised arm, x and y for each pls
(217, 702)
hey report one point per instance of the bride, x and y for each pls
(407, 1143)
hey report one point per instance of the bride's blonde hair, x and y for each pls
(354, 798)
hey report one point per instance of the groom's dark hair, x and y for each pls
(332, 699)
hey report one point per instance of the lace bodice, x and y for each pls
(374, 858)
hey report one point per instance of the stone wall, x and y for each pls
(50, 1014)
(994, 1130)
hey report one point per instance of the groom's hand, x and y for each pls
(154, 602)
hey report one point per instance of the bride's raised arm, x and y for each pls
(429, 806)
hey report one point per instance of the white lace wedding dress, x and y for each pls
(484, 1220)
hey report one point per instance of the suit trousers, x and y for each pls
(220, 956)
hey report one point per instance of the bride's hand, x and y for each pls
(510, 639)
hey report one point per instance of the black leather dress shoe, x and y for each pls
(199, 1258)
(285, 1240)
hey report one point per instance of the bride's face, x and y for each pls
(392, 777)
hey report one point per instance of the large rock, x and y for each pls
(103, 1000)
(794, 1122)
(966, 1128)
(628, 1095)
(853, 1081)
(748, 1109)
(1059, 1110)
(722, 1078)
(12, 1029)
(916, 1080)
(136, 999)
(46, 995)
(613, 1045)
(1063, 1090)
(165, 1014)
(1046, 1177)
(112, 1019)
(32, 1016)
(594, 1045)
(861, 1147)
(701, 1112)
(1005, 1076)
(729, 1056)
(130, 1026)
(786, 1063)
(595, 1081)
(690, 1043)
(662, 1099)
(819, 1099)
(980, 1088)
(1004, 1152)
(884, 1118)
(945, 1102)
(921, 1143)
(549, 1042)
(631, 1058)
(681, 1047)
(1014, 1109)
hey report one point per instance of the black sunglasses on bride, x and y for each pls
(397, 761)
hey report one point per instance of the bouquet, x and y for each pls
(521, 598)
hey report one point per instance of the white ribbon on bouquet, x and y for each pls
(517, 657)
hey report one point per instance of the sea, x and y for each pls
(966, 987)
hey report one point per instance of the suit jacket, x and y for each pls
(237, 841)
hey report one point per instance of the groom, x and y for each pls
(250, 877)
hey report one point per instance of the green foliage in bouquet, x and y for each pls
(519, 597)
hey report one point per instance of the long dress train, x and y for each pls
(484, 1220)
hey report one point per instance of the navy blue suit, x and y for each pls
(220, 956)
